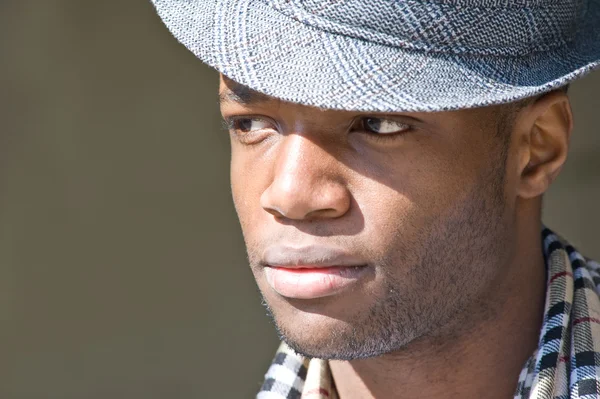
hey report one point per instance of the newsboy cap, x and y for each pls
(392, 55)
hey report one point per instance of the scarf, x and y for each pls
(565, 365)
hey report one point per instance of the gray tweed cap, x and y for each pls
(392, 55)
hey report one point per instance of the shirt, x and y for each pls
(565, 365)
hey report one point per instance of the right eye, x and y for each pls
(249, 125)
(250, 130)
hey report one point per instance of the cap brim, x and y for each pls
(257, 46)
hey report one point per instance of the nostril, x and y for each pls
(319, 200)
(274, 211)
(329, 213)
(286, 201)
(290, 210)
(302, 191)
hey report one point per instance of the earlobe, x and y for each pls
(546, 143)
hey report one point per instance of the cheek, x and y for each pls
(406, 207)
(248, 181)
(411, 194)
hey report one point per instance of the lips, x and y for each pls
(311, 272)
(312, 283)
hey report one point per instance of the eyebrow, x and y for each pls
(241, 94)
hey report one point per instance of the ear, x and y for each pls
(544, 129)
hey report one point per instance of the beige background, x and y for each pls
(122, 270)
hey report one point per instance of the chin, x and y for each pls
(313, 329)
(327, 340)
(336, 342)
(333, 332)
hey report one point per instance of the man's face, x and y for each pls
(367, 231)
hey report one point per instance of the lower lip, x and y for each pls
(311, 283)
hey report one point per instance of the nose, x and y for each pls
(306, 183)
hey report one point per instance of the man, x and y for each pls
(389, 160)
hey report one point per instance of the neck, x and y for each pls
(481, 361)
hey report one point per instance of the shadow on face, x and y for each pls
(305, 149)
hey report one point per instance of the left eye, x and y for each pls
(384, 126)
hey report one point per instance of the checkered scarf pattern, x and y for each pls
(566, 364)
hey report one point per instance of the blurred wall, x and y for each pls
(123, 273)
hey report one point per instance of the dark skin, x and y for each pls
(444, 211)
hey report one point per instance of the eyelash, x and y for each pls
(383, 136)
(233, 126)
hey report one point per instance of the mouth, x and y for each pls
(312, 282)
(311, 272)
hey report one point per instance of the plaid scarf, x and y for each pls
(565, 365)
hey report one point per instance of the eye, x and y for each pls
(250, 130)
(384, 126)
(249, 125)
